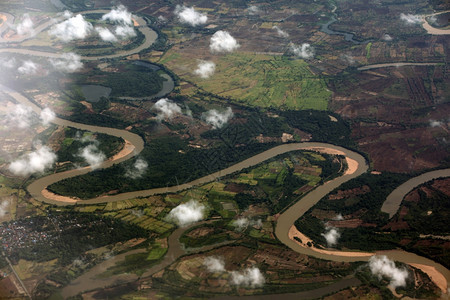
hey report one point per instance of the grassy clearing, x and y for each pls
(260, 80)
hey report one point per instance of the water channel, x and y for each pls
(285, 220)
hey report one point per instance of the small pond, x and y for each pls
(93, 93)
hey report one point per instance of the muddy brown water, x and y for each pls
(285, 220)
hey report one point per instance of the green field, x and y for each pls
(263, 81)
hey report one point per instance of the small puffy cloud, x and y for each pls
(348, 59)
(432, 20)
(222, 41)
(3, 208)
(92, 155)
(124, 31)
(241, 223)
(338, 217)
(120, 15)
(166, 109)
(20, 116)
(8, 63)
(190, 16)
(28, 68)
(205, 69)
(67, 14)
(47, 116)
(249, 277)
(253, 10)
(386, 37)
(280, 32)
(25, 26)
(187, 213)
(105, 34)
(332, 236)
(69, 62)
(411, 19)
(74, 28)
(382, 266)
(138, 169)
(214, 264)
(217, 119)
(304, 50)
(34, 162)
(435, 123)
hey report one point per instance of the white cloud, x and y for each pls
(74, 28)
(435, 123)
(242, 223)
(253, 10)
(67, 14)
(382, 266)
(411, 19)
(167, 109)
(386, 37)
(92, 155)
(217, 119)
(338, 217)
(280, 32)
(120, 15)
(348, 58)
(124, 31)
(249, 277)
(332, 236)
(214, 264)
(3, 208)
(188, 111)
(28, 68)
(187, 213)
(21, 116)
(205, 69)
(69, 62)
(222, 41)
(8, 63)
(432, 19)
(138, 169)
(47, 116)
(190, 16)
(305, 50)
(33, 162)
(105, 34)
(25, 26)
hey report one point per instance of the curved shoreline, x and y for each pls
(284, 222)
(285, 231)
(285, 219)
(395, 198)
(433, 30)
(149, 34)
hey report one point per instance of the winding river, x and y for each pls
(439, 274)
(393, 201)
(149, 34)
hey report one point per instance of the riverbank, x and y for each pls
(150, 37)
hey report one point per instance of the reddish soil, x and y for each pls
(235, 188)
(413, 196)
(348, 193)
(397, 106)
(443, 185)
(352, 223)
(8, 288)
